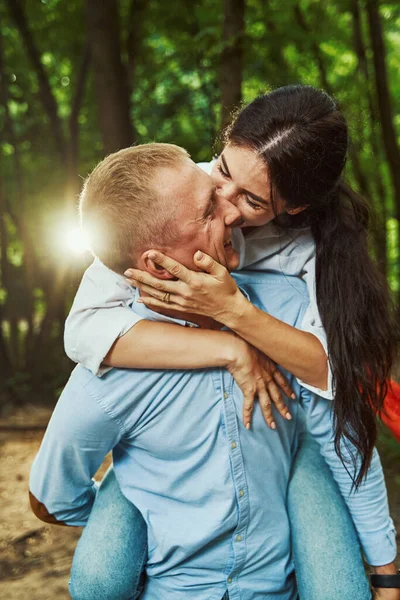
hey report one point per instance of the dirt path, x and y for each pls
(35, 558)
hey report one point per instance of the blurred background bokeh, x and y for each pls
(82, 78)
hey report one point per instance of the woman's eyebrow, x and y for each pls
(225, 165)
(253, 196)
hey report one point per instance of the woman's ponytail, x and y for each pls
(355, 308)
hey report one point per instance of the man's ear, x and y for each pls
(297, 210)
(153, 268)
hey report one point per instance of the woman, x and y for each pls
(293, 143)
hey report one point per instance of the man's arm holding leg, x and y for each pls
(79, 435)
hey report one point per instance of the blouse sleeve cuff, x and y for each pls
(92, 346)
(380, 548)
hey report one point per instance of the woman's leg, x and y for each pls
(110, 556)
(326, 551)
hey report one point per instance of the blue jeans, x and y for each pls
(112, 551)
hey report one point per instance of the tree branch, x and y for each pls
(46, 95)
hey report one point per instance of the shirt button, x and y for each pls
(241, 493)
(229, 580)
(233, 445)
(226, 395)
(239, 538)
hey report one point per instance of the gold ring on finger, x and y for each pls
(166, 298)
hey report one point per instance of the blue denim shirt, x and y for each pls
(212, 493)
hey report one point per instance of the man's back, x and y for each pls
(212, 493)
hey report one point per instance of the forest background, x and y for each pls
(82, 78)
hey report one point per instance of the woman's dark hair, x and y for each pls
(303, 139)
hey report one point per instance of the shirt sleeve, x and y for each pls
(79, 435)
(312, 323)
(101, 313)
(368, 505)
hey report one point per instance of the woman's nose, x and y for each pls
(230, 212)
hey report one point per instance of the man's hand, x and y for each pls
(257, 375)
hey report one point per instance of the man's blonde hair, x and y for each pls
(120, 207)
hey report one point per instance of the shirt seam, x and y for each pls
(100, 401)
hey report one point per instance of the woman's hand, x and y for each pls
(212, 292)
(258, 376)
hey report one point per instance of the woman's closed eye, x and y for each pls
(253, 205)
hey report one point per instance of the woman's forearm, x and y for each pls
(155, 345)
(299, 352)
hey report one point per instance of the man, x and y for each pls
(212, 493)
(181, 454)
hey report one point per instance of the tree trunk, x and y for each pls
(55, 311)
(45, 92)
(380, 212)
(276, 56)
(30, 259)
(232, 58)
(137, 12)
(385, 107)
(109, 75)
(73, 180)
(384, 101)
(302, 23)
(6, 366)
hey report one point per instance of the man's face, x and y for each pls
(204, 220)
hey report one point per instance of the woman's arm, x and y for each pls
(214, 293)
(299, 352)
(156, 345)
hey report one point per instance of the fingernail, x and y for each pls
(248, 426)
(128, 273)
(293, 396)
(139, 301)
(273, 425)
(288, 416)
(198, 255)
(153, 255)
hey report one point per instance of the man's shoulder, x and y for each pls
(117, 392)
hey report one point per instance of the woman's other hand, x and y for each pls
(258, 377)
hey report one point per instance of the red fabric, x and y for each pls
(391, 411)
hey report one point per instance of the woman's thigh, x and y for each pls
(326, 550)
(111, 553)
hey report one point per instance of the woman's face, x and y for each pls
(241, 177)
